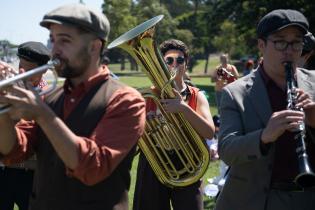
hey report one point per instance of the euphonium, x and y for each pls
(176, 153)
(306, 177)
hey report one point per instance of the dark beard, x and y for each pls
(70, 71)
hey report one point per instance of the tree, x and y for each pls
(121, 20)
(197, 23)
(228, 40)
(177, 7)
(246, 15)
(147, 9)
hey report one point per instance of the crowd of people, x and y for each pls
(73, 149)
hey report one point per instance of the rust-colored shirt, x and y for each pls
(114, 136)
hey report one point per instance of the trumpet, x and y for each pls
(14, 78)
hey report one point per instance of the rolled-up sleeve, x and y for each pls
(115, 135)
(26, 132)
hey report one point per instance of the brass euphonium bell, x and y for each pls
(176, 153)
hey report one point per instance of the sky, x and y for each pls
(19, 19)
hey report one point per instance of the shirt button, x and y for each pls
(72, 100)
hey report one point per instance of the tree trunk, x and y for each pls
(122, 63)
(133, 64)
(207, 62)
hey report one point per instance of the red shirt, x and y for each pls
(114, 136)
(191, 95)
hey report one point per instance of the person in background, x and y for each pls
(221, 81)
(150, 193)
(308, 49)
(249, 66)
(213, 143)
(84, 135)
(16, 181)
(105, 62)
(257, 137)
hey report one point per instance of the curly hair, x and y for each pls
(175, 44)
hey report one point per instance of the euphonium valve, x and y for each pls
(176, 153)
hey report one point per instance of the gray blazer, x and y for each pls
(245, 111)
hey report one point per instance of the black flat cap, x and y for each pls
(34, 52)
(279, 19)
(309, 42)
(81, 16)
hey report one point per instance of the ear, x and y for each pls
(96, 46)
(261, 45)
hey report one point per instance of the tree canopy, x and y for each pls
(206, 26)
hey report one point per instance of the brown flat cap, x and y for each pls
(81, 16)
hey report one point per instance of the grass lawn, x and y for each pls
(198, 69)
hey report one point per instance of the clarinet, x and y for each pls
(305, 177)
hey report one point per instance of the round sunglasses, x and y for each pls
(170, 60)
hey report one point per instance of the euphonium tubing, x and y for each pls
(174, 150)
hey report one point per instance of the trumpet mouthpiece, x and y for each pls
(54, 62)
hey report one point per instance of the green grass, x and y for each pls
(203, 82)
(200, 66)
(197, 70)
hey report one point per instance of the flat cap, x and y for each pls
(309, 42)
(279, 19)
(81, 16)
(34, 52)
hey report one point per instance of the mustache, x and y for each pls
(62, 60)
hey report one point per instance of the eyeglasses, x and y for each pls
(170, 60)
(282, 45)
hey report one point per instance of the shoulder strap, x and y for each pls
(91, 109)
(56, 99)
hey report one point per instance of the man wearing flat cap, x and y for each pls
(258, 134)
(85, 134)
(16, 180)
(32, 55)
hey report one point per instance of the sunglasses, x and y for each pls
(170, 60)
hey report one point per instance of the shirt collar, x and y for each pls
(186, 92)
(84, 86)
